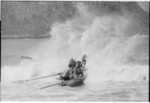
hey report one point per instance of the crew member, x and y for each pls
(68, 74)
(78, 71)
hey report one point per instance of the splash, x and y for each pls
(103, 38)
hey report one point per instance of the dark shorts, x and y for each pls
(65, 78)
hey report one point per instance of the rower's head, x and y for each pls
(72, 63)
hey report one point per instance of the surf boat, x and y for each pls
(73, 82)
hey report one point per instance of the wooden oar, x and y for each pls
(50, 86)
(43, 77)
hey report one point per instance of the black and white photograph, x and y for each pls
(75, 51)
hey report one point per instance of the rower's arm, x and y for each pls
(65, 72)
(71, 74)
(75, 67)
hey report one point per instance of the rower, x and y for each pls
(68, 74)
(78, 71)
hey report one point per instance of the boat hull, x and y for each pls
(74, 82)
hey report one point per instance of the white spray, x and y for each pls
(102, 38)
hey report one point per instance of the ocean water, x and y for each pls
(92, 90)
(109, 91)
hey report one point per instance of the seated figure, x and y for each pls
(78, 70)
(68, 74)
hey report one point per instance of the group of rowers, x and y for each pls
(75, 69)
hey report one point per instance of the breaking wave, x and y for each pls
(112, 55)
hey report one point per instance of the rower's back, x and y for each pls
(68, 73)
